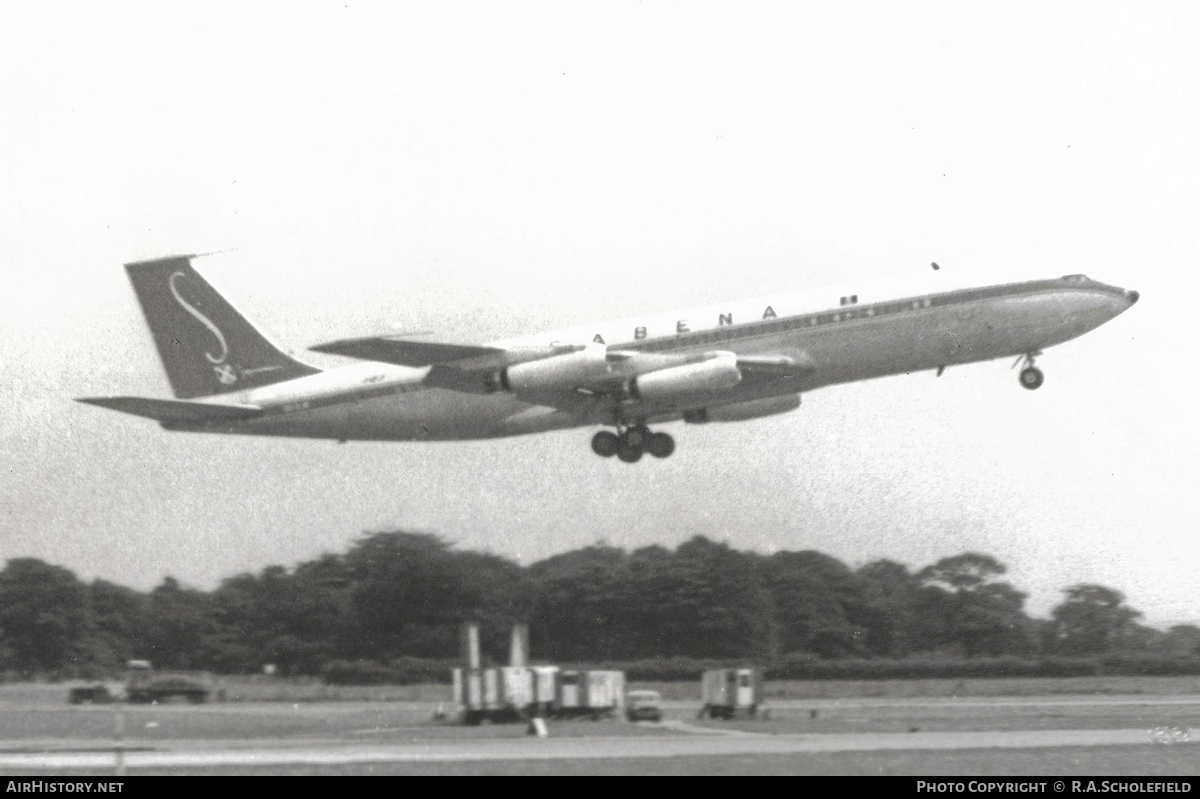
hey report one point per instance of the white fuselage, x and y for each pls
(847, 334)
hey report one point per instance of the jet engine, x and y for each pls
(740, 411)
(718, 373)
(574, 368)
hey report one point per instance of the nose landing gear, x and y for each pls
(631, 443)
(1030, 377)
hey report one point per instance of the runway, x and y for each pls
(709, 744)
(802, 736)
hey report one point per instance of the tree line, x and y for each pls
(399, 595)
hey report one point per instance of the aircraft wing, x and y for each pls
(586, 378)
(405, 352)
(470, 368)
(174, 410)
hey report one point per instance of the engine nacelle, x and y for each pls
(741, 411)
(589, 363)
(718, 373)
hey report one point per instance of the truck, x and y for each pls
(495, 694)
(592, 693)
(725, 692)
(97, 694)
(521, 693)
(143, 687)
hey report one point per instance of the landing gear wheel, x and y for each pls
(637, 435)
(629, 445)
(604, 444)
(1031, 377)
(660, 445)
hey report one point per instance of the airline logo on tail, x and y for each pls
(207, 347)
(223, 370)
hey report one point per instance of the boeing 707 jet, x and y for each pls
(723, 363)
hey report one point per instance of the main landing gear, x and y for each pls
(1031, 377)
(631, 443)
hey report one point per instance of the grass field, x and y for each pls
(907, 718)
(247, 689)
(355, 722)
(61, 726)
(898, 689)
(301, 690)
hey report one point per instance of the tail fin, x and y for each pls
(206, 346)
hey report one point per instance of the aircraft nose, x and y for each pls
(1132, 296)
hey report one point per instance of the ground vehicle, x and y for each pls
(496, 694)
(513, 693)
(726, 691)
(522, 692)
(144, 688)
(593, 693)
(163, 689)
(96, 694)
(643, 706)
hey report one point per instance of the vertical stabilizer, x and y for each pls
(206, 346)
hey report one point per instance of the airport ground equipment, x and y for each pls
(502, 694)
(521, 692)
(95, 694)
(591, 693)
(545, 687)
(725, 692)
(143, 687)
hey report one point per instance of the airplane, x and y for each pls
(723, 363)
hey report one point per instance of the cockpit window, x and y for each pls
(1075, 278)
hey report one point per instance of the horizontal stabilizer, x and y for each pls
(404, 352)
(174, 410)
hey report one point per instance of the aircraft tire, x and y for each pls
(660, 445)
(605, 444)
(629, 448)
(637, 436)
(1032, 378)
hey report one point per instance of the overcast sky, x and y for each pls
(486, 170)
